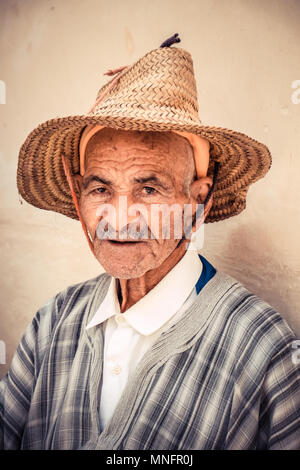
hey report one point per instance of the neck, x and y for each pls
(131, 291)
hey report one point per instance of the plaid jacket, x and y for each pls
(222, 377)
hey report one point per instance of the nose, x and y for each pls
(125, 215)
(119, 213)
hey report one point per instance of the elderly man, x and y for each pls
(162, 351)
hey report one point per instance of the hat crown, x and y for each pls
(159, 87)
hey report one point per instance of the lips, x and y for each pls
(124, 242)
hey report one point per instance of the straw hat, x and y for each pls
(156, 93)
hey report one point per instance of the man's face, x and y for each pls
(147, 168)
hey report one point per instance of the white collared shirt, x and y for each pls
(128, 335)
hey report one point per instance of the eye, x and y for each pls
(100, 190)
(149, 190)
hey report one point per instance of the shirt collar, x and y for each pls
(153, 310)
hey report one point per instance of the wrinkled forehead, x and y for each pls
(129, 154)
(164, 142)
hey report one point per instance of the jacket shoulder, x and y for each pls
(70, 302)
(254, 320)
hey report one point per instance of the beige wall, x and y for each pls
(246, 57)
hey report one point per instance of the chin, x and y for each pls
(124, 263)
(128, 271)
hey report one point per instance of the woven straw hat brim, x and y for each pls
(156, 93)
(42, 182)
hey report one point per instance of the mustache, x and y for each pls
(140, 230)
(134, 231)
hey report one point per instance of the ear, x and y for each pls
(199, 190)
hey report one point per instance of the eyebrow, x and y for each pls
(147, 179)
(92, 178)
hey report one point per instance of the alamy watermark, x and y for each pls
(295, 97)
(2, 352)
(296, 352)
(155, 221)
(2, 92)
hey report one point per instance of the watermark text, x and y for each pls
(2, 352)
(152, 221)
(296, 352)
(2, 92)
(296, 94)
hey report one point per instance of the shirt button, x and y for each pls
(121, 320)
(116, 370)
